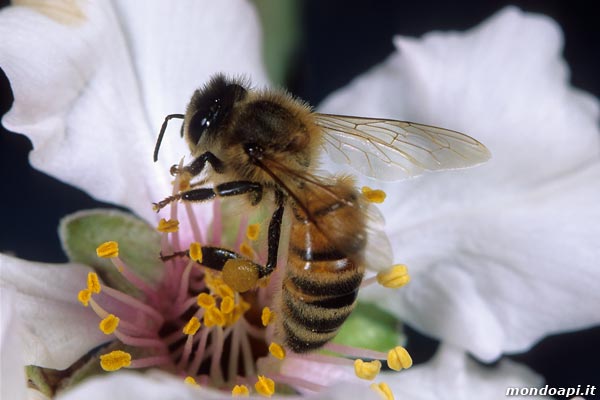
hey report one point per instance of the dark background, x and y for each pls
(338, 40)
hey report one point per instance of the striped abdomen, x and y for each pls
(325, 268)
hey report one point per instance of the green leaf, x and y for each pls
(139, 244)
(370, 327)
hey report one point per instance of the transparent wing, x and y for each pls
(392, 150)
(308, 189)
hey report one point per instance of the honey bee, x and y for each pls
(265, 141)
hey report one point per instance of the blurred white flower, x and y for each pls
(503, 254)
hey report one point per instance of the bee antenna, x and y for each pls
(163, 128)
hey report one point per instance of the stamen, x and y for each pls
(190, 381)
(109, 324)
(115, 360)
(206, 301)
(240, 391)
(398, 358)
(383, 390)
(367, 370)
(265, 386)
(108, 250)
(227, 305)
(84, 296)
(93, 283)
(267, 316)
(395, 277)
(277, 351)
(196, 252)
(373, 195)
(192, 326)
(246, 250)
(253, 231)
(168, 226)
(213, 317)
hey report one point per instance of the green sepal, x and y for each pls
(39, 380)
(370, 327)
(139, 244)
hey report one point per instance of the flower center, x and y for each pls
(195, 325)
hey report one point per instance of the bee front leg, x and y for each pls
(197, 166)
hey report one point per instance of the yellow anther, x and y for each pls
(395, 277)
(109, 324)
(373, 195)
(366, 370)
(224, 290)
(253, 231)
(398, 358)
(265, 386)
(84, 296)
(196, 252)
(227, 305)
(192, 326)
(205, 300)
(246, 250)
(240, 391)
(383, 390)
(214, 316)
(267, 316)
(93, 283)
(169, 226)
(115, 360)
(190, 381)
(108, 250)
(277, 351)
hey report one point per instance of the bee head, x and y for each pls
(210, 108)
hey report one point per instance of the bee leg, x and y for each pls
(197, 166)
(239, 273)
(234, 188)
(274, 234)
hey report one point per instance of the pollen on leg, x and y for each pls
(265, 386)
(367, 370)
(395, 277)
(108, 250)
(240, 274)
(109, 324)
(115, 360)
(168, 226)
(398, 358)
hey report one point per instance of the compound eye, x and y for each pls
(203, 119)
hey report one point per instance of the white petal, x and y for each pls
(91, 95)
(452, 375)
(501, 254)
(77, 99)
(12, 371)
(56, 329)
(125, 385)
